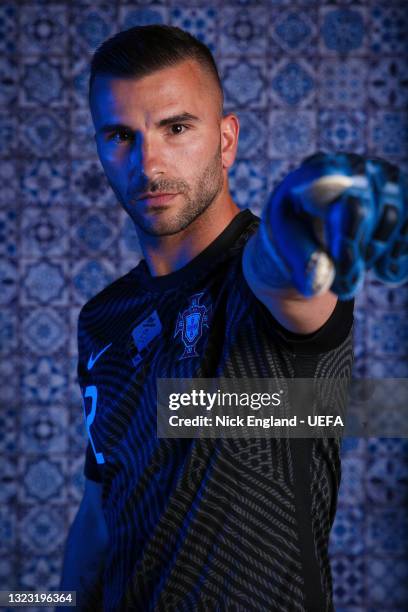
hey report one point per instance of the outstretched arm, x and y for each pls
(328, 222)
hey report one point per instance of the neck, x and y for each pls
(166, 254)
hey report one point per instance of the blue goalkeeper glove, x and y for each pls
(328, 221)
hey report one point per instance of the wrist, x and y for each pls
(262, 264)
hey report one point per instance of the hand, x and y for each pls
(327, 222)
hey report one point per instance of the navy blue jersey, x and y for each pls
(206, 524)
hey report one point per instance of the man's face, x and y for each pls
(160, 135)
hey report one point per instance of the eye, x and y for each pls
(120, 136)
(174, 128)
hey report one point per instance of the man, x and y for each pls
(204, 524)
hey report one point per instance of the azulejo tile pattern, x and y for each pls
(386, 480)
(342, 83)
(388, 578)
(8, 417)
(8, 233)
(88, 185)
(7, 530)
(8, 76)
(9, 374)
(129, 247)
(244, 82)
(292, 83)
(343, 30)
(252, 134)
(44, 330)
(243, 31)
(248, 180)
(130, 16)
(388, 83)
(42, 528)
(8, 131)
(43, 569)
(8, 281)
(349, 580)
(95, 233)
(44, 31)
(44, 283)
(44, 82)
(43, 480)
(43, 231)
(42, 133)
(79, 74)
(388, 133)
(201, 22)
(89, 276)
(45, 381)
(387, 532)
(294, 30)
(82, 143)
(389, 28)
(8, 177)
(8, 479)
(90, 25)
(301, 75)
(342, 130)
(292, 133)
(43, 428)
(44, 182)
(8, 27)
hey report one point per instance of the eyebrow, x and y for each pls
(179, 118)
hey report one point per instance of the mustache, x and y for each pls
(157, 187)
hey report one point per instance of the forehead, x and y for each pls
(185, 83)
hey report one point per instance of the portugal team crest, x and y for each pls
(190, 325)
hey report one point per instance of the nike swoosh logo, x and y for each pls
(92, 360)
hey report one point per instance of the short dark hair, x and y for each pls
(141, 50)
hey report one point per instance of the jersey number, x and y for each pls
(92, 392)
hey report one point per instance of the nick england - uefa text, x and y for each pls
(254, 401)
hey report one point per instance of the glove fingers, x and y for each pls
(350, 270)
(392, 232)
(392, 267)
(343, 227)
(303, 218)
(352, 210)
(311, 269)
(348, 226)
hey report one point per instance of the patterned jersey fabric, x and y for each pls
(206, 524)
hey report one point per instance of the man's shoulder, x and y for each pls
(249, 229)
(113, 293)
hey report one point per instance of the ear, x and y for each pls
(229, 139)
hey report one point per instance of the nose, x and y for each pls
(145, 158)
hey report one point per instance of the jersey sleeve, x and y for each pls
(328, 337)
(91, 468)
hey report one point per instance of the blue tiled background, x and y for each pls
(302, 75)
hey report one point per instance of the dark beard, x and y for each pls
(208, 187)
